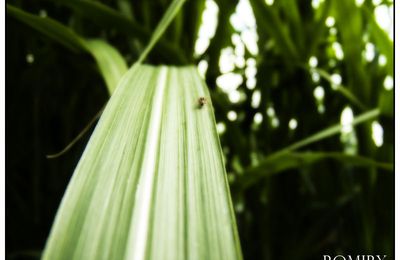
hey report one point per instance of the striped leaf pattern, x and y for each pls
(151, 183)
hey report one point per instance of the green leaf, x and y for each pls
(109, 61)
(221, 38)
(285, 158)
(386, 103)
(169, 15)
(269, 21)
(316, 35)
(340, 88)
(49, 27)
(151, 183)
(350, 26)
(291, 160)
(193, 17)
(328, 132)
(291, 9)
(107, 17)
(381, 39)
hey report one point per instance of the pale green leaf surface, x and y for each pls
(151, 183)
(109, 61)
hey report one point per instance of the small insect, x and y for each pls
(202, 101)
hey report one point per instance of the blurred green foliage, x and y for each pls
(332, 195)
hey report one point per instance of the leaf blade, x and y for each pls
(124, 187)
(297, 160)
(109, 61)
(167, 18)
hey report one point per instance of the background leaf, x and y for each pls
(111, 65)
(292, 160)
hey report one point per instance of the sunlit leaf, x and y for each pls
(151, 183)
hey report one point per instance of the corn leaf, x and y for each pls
(349, 23)
(386, 103)
(286, 158)
(151, 183)
(340, 88)
(296, 160)
(49, 27)
(106, 17)
(269, 21)
(381, 38)
(169, 15)
(328, 132)
(193, 16)
(316, 35)
(292, 13)
(109, 61)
